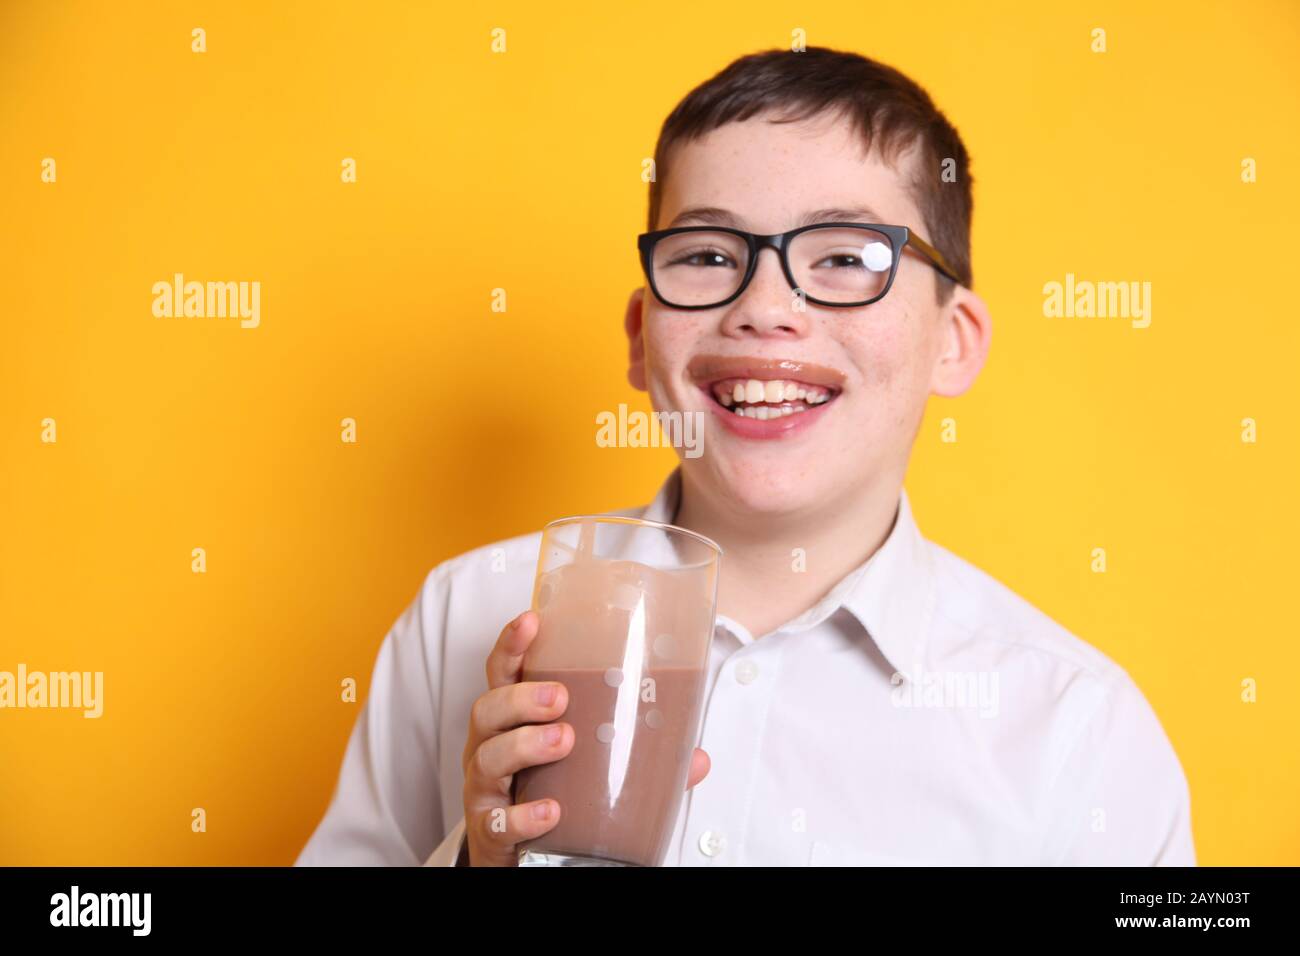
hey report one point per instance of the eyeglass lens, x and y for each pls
(834, 265)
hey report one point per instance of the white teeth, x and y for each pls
(776, 393)
(766, 413)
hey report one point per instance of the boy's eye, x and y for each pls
(708, 258)
(875, 256)
(840, 259)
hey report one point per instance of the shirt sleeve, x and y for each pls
(1121, 797)
(386, 809)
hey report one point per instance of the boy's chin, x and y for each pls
(774, 492)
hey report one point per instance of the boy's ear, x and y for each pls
(635, 346)
(965, 328)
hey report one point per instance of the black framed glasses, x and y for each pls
(841, 264)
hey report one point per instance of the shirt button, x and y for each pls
(712, 843)
(746, 671)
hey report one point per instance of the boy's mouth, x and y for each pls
(768, 398)
(780, 391)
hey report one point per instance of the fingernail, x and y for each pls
(542, 811)
(514, 625)
(553, 734)
(546, 694)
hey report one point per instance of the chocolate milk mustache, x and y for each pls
(630, 644)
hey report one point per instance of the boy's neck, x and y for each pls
(760, 586)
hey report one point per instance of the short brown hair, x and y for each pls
(886, 108)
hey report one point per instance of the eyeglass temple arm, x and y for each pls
(934, 255)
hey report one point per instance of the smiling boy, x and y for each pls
(808, 287)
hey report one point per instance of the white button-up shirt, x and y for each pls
(920, 713)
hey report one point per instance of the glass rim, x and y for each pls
(643, 522)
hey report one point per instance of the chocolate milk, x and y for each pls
(621, 786)
(630, 642)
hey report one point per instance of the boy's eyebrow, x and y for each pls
(716, 216)
(854, 214)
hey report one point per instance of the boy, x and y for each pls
(820, 294)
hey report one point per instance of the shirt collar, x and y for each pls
(891, 594)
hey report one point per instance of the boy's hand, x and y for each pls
(503, 740)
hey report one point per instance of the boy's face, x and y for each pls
(880, 361)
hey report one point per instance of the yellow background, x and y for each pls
(522, 171)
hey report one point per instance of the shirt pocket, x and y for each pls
(843, 854)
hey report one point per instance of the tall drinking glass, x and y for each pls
(626, 612)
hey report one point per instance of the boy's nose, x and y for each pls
(766, 309)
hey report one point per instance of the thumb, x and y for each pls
(700, 764)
